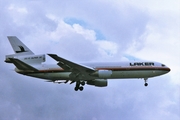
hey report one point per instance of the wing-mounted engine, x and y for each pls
(98, 82)
(102, 74)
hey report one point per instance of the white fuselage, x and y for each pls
(104, 71)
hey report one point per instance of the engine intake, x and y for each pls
(98, 82)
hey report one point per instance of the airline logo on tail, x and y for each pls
(21, 49)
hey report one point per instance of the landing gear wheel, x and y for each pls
(82, 83)
(81, 88)
(145, 80)
(76, 88)
(146, 84)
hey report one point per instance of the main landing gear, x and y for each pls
(145, 84)
(78, 87)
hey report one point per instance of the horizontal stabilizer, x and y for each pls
(29, 59)
(21, 65)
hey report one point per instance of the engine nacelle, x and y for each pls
(98, 82)
(102, 74)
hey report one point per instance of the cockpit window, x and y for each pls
(163, 65)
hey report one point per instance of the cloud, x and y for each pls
(70, 29)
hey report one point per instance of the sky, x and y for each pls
(92, 30)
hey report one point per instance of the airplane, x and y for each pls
(90, 73)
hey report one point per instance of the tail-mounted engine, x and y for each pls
(33, 59)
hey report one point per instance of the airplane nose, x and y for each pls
(168, 69)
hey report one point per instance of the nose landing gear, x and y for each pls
(145, 84)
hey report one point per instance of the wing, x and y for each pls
(78, 70)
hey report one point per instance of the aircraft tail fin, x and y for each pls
(21, 65)
(18, 46)
(23, 53)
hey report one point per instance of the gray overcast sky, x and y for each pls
(92, 30)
